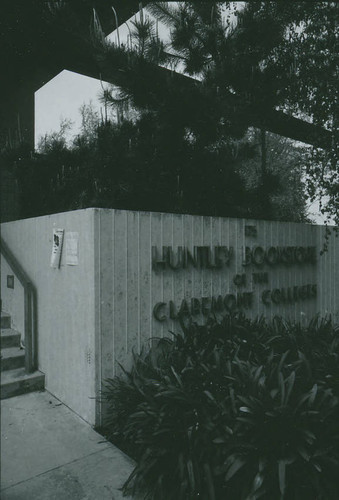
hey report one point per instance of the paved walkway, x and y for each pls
(49, 453)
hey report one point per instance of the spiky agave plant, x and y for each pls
(282, 448)
(213, 420)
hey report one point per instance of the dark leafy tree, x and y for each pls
(276, 188)
(244, 68)
(139, 165)
(278, 55)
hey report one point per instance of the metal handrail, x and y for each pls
(30, 307)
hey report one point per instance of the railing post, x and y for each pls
(34, 329)
(28, 329)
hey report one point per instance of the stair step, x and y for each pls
(11, 358)
(5, 320)
(9, 338)
(16, 382)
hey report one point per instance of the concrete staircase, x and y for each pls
(14, 379)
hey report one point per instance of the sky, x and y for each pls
(63, 96)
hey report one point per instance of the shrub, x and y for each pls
(235, 409)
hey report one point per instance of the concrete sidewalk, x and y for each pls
(49, 453)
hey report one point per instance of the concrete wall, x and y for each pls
(92, 316)
(130, 287)
(328, 275)
(66, 304)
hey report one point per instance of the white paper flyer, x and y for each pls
(58, 236)
(72, 248)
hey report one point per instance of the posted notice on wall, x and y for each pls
(58, 236)
(72, 248)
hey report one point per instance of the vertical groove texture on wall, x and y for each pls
(131, 288)
(92, 316)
